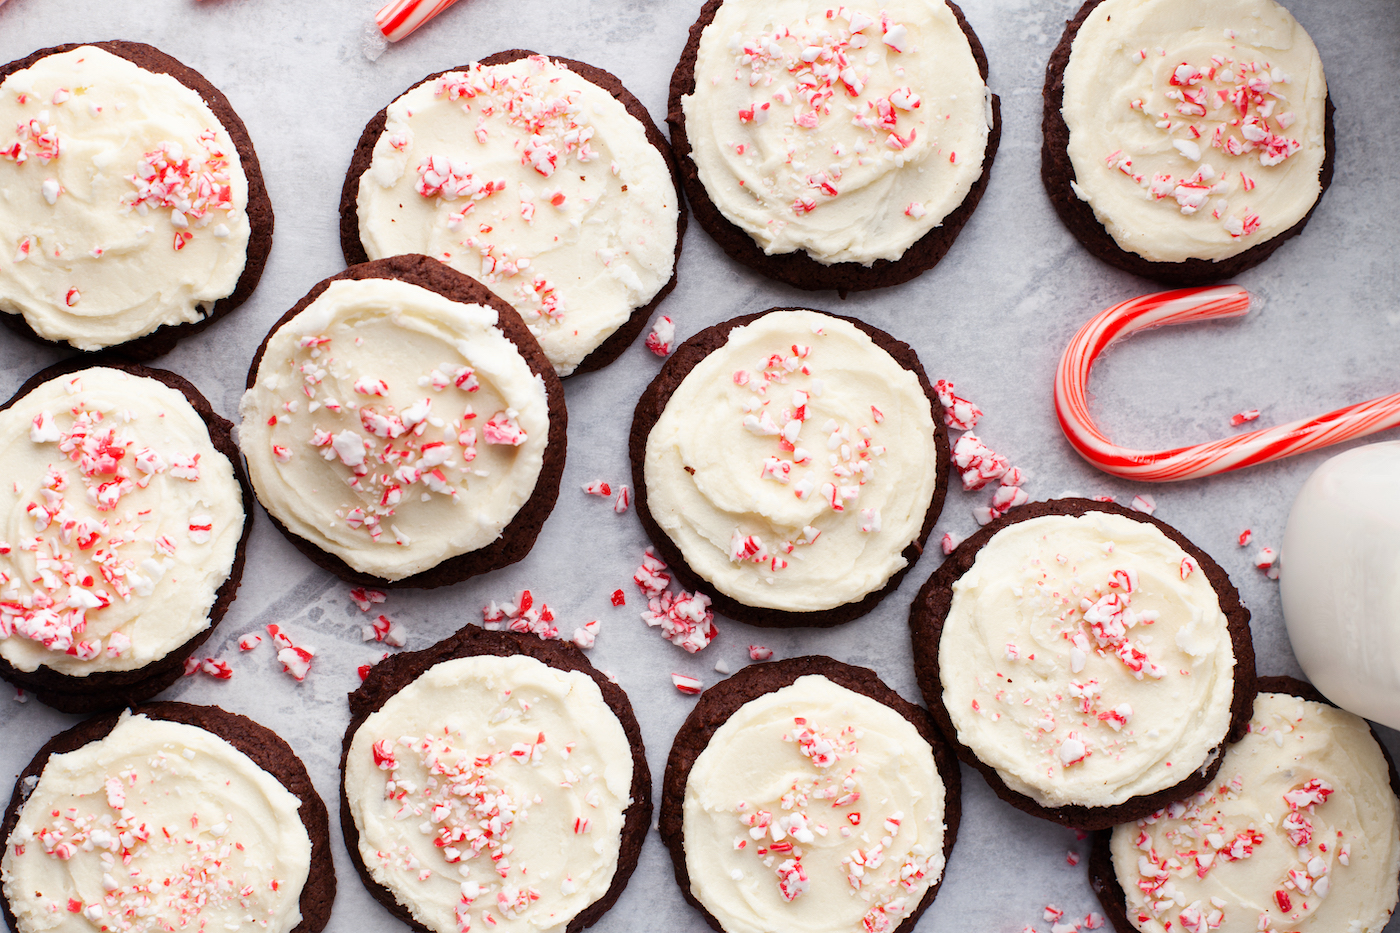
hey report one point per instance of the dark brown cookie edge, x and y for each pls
(930, 610)
(104, 690)
(266, 749)
(260, 217)
(519, 535)
(392, 674)
(1057, 173)
(721, 701)
(653, 402)
(798, 269)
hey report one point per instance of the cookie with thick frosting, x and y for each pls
(1300, 831)
(543, 177)
(807, 795)
(837, 147)
(1185, 143)
(1087, 659)
(525, 763)
(167, 816)
(137, 212)
(125, 535)
(403, 427)
(791, 463)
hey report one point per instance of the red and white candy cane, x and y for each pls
(400, 17)
(1242, 450)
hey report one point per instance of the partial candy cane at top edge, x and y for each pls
(400, 17)
(1242, 450)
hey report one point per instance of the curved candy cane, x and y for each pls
(1242, 450)
(400, 17)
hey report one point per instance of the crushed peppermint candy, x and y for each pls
(91, 547)
(1143, 503)
(692, 686)
(166, 178)
(1244, 416)
(685, 619)
(382, 629)
(958, 413)
(662, 338)
(1223, 112)
(760, 653)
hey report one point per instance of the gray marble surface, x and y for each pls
(993, 317)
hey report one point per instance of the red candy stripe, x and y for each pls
(399, 18)
(1243, 450)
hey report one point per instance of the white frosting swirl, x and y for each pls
(1195, 130)
(124, 202)
(119, 521)
(535, 181)
(1086, 659)
(813, 808)
(163, 826)
(1301, 832)
(489, 794)
(394, 427)
(794, 464)
(847, 132)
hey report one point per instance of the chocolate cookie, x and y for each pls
(507, 278)
(194, 191)
(382, 491)
(843, 397)
(1058, 174)
(1092, 611)
(267, 752)
(795, 264)
(831, 751)
(74, 679)
(1299, 817)
(518, 677)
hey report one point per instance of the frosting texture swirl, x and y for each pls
(1087, 660)
(1196, 130)
(538, 183)
(793, 465)
(847, 132)
(119, 522)
(157, 826)
(1302, 833)
(489, 793)
(122, 198)
(393, 427)
(813, 808)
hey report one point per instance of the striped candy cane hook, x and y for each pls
(1243, 450)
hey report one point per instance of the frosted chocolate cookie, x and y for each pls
(833, 147)
(807, 795)
(1185, 142)
(1300, 832)
(403, 427)
(792, 463)
(1090, 661)
(135, 210)
(124, 530)
(166, 817)
(541, 176)
(524, 763)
